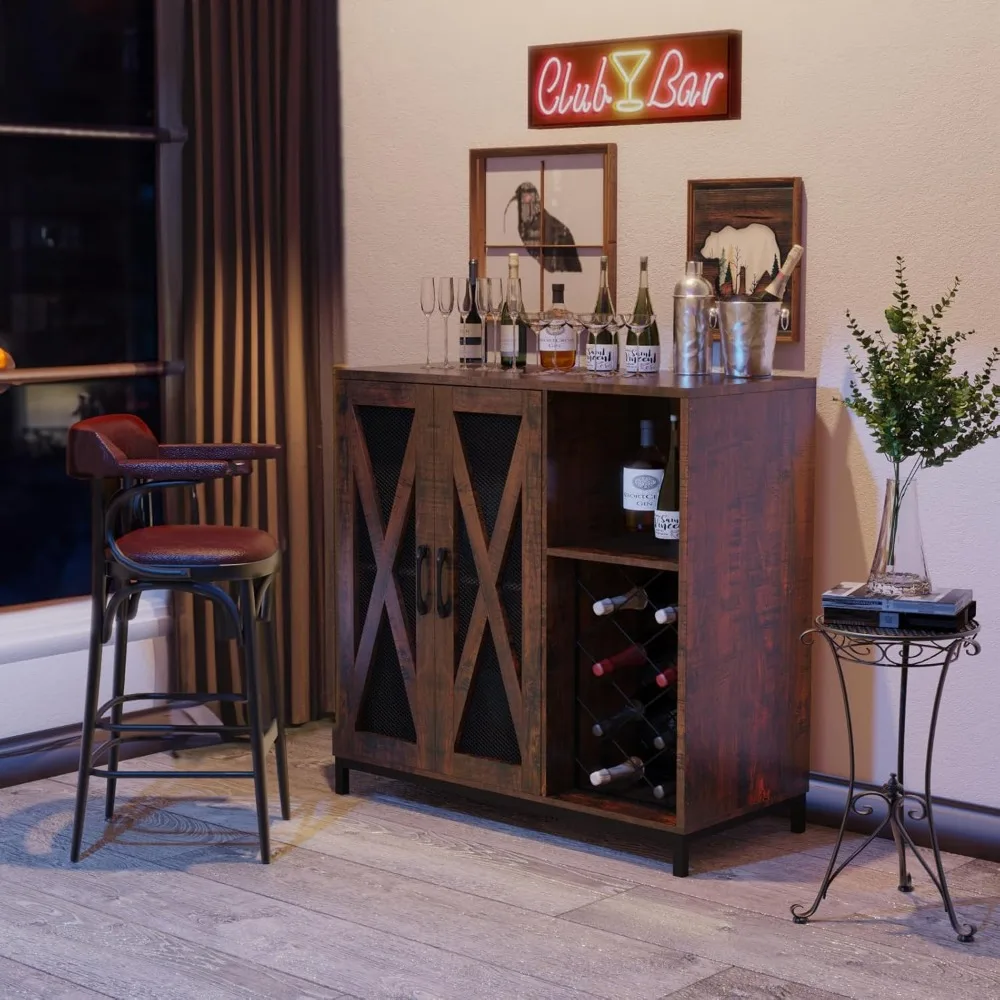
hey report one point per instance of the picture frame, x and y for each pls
(556, 207)
(772, 206)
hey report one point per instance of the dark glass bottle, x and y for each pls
(667, 519)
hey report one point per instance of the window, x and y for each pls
(79, 151)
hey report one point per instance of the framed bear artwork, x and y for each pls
(742, 231)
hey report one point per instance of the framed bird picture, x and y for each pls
(742, 231)
(556, 208)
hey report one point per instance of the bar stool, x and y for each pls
(126, 467)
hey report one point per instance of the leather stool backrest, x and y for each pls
(95, 447)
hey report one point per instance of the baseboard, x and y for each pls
(57, 751)
(962, 828)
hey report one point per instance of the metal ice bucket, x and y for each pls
(748, 332)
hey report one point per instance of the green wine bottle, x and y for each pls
(513, 330)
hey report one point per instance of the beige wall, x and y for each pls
(890, 112)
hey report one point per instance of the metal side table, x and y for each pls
(901, 649)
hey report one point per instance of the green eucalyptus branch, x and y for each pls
(908, 393)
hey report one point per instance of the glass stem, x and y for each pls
(446, 341)
(428, 341)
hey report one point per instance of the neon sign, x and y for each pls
(667, 78)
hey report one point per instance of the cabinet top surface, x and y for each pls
(663, 383)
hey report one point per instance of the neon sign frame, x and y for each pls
(633, 81)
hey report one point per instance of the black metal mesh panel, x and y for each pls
(466, 583)
(386, 430)
(385, 708)
(488, 440)
(487, 728)
(405, 571)
(510, 588)
(364, 573)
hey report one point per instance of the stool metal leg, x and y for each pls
(251, 660)
(90, 705)
(278, 707)
(118, 689)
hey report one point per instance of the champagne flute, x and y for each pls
(446, 305)
(427, 302)
(484, 303)
(499, 301)
(600, 350)
(463, 304)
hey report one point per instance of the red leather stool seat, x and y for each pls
(197, 545)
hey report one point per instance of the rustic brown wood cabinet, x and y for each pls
(476, 519)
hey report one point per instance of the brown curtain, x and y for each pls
(261, 249)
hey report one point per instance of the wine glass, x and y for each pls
(484, 303)
(637, 365)
(600, 359)
(515, 306)
(427, 302)
(463, 305)
(446, 305)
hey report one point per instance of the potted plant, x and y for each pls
(920, 413)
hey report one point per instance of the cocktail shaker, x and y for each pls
(693, 298)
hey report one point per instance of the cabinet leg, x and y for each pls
(680, 858)
(798, 814)
(341, 778)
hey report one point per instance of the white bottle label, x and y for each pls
(557, 337)
(470, 344)
(667, 525)
(602, 357)
(640, 488)
(642, 360)
(508, 340)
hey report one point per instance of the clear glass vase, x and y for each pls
(899, 568)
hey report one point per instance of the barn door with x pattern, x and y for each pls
(489, 624)
(385, 632)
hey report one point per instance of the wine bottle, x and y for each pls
(602, 345)
(556, 341)
(641, 479)
(513, 330)
(667, 518)
(775, 291)
(628, 772)
(635, 656)
(666, 616)
(656, 592)
(642, 350)
(470, 339)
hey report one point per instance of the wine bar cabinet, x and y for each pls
(478, 520)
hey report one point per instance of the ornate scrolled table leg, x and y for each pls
(884, 647)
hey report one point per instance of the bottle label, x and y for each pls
(557, 337)
(470, 344)
(508, 340)
(642, 360)
(667, 525)
(602, 357)
(640, 488)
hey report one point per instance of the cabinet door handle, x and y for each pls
(444, 606)
(423, 554)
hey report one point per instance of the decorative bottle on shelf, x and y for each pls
(775, 291)
(470, 339)
(667, 517)
(641, 479)
(557, 341)
(602, 346)
(642, 350)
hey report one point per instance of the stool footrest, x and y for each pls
(103, 772)
(168, 727)
(173, 700)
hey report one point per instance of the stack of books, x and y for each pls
(941, 611)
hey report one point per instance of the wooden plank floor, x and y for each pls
(398, 892)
